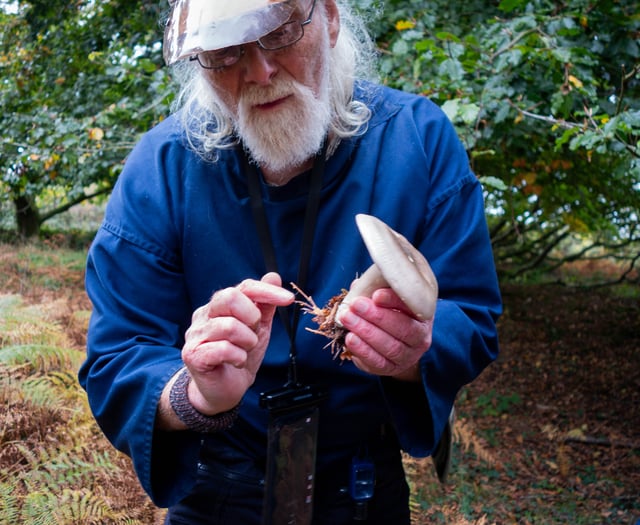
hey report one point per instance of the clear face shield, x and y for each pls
(195, 26)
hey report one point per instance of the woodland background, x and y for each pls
(546, 98)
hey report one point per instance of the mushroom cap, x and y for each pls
(403, 267)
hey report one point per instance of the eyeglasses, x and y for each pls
(286, 35)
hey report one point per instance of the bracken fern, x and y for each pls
(54, 462)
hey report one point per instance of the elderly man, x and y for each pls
(276, 144)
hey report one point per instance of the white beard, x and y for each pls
(288, 136)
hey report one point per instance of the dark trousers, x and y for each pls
(233, 495)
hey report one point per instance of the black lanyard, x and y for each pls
(268, 251)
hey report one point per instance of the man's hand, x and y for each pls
(225, 346)
(384, 338)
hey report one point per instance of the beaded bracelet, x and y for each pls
(197, 421)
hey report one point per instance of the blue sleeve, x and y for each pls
(465, 338)
(455, 240)
(135, 339)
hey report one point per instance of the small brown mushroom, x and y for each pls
(397, 264)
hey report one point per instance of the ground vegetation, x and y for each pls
(550, 433)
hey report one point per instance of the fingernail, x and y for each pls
(347, 318)
(352, 340)
(360, 306)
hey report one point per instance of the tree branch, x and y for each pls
(72, 203)
(603, 442)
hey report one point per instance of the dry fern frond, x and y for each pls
(42, 358)
(464, 434)
(9, 504)
(53, 390)
(24, 421)
(55, 464)
(70, 507)
(9, 302)
(60, 465)
(31, 324)
(460, 520)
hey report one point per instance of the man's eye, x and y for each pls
(221, 54)
(278, 33)
(282, 34)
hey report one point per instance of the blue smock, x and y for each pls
(178, 228)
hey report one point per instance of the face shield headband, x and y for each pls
(195, 26)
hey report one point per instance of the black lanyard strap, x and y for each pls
(268, 251)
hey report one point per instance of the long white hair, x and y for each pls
(209, 128)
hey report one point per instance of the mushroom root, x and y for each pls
(397, 264)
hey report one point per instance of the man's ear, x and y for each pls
(333, 19)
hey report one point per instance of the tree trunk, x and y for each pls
(27, 216)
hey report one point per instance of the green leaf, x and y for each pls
(400, 47)
(493, 182)
(507, 6)
(447, 36)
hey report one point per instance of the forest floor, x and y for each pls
(549, 433)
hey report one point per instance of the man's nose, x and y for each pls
(259, 65)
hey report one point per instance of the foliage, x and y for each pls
(548, 434)
(546, 98)
(54, 462)
(79, 82)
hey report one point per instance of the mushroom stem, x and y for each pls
(364, 286)
(367, 283)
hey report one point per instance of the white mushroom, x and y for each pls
(398, 265)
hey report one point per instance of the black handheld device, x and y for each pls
(291, 453)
